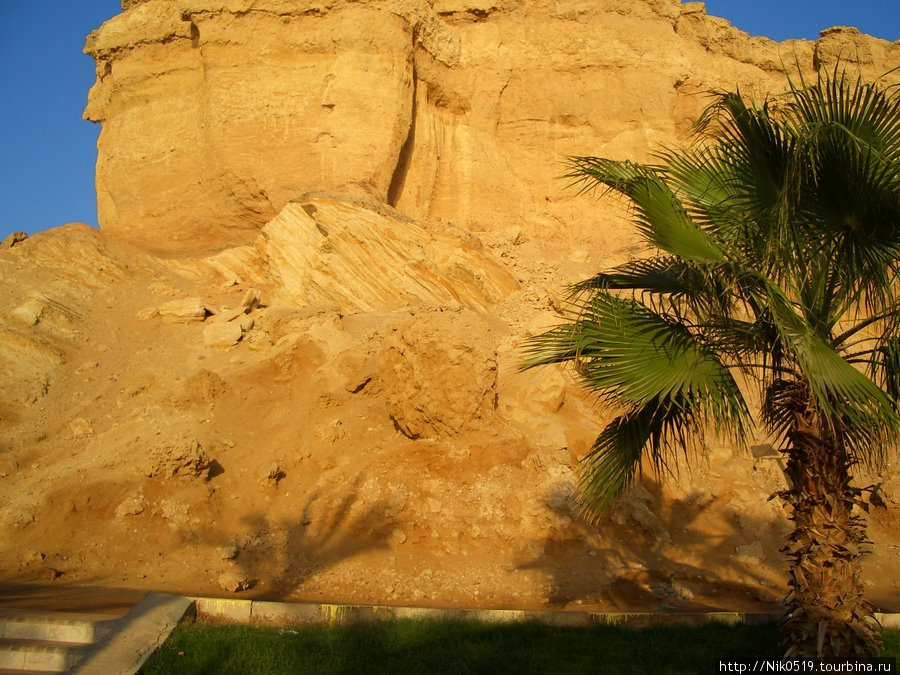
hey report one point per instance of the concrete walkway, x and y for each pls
(135, 636)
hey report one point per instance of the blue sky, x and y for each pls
(47, 162)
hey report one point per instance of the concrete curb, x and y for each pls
(286, 613)
(136, 635)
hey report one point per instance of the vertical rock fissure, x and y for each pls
(404, 160)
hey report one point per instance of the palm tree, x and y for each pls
(775, 250)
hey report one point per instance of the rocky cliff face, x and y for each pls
(289, 357)
(215, 114)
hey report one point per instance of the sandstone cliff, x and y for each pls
(289, 354)
(216, 113)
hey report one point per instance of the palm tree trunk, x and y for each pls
(826, 614)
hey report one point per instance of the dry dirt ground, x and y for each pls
(185, 423)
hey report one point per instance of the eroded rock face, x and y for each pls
(358, 256)
(439, 372)
(199, 116)
(216, 113)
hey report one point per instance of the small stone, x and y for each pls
(35, 556)
(399, 536)
(228, 552)
(332, 431)
(222, 334)
(250, 300)
(30, 312)
(273, 475)
(233, 582)
(53, 573)
(246, 323)
(682, 592)
(185, 310)
(80, 427)
(132, 506)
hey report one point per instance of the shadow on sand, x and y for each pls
(665, 560)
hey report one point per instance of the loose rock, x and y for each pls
(228, 552)
(30, 313)
(185, 310)
(132, 506)
(184, 459)
(250, 300)
(222, 334)
(233, 582)
(273, 475)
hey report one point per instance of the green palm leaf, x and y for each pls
(837, 387)
(659, 215)
(665, 378)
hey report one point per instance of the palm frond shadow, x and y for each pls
(278, 555)
(664, 559)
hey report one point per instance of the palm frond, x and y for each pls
(670, 385)
(615, 458)
(839, 389)
(659, 215)
(849, 133)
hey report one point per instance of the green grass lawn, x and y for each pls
(423, 646)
